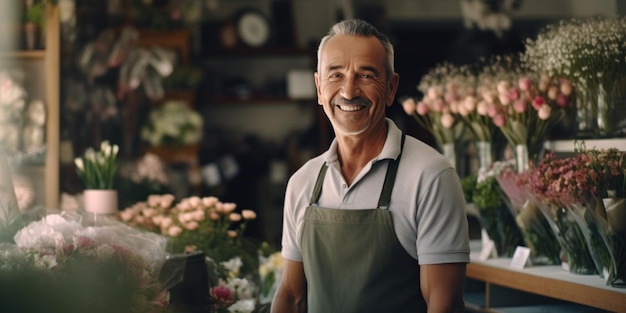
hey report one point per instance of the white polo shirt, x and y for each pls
(427, 202)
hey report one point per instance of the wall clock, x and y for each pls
(253, 28)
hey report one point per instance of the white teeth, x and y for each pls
(350, 108)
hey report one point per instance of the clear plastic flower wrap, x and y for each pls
(101, 262)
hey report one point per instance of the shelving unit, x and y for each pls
(502, 289)
(45, 63)
(567, 146)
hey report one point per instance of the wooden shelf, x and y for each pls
(256, 52)
(24, 54)
(256, 100)
(548, 281)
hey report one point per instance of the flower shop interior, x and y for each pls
(165, 131)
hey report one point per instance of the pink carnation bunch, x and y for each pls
(194, 223)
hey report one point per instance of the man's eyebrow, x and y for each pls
(362, 68)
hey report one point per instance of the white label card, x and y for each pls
(487, 250)
(520, 257)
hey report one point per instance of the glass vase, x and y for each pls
(449, 151)
(522, 161)
(485, 152)
(610, 110)
(585, 120)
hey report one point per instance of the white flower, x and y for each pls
(242, 306)
(174, 123)
(233, 265)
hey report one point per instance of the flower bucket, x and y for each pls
(100, 201)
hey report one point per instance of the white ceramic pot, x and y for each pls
(100, 201)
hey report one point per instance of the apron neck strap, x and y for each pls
(385, 195)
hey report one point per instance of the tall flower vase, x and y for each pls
(586, 114)
(485, 152)
(100, 201)
(522, 161)
(449, 151)
(604, 110)
(610, 110)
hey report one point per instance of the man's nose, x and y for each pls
(350, 89)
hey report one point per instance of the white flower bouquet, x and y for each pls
(97, 169)
(592, 54)
(172, 124)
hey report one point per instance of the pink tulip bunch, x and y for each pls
(524, 105)
(444, 89)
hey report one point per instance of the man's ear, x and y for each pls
(317, 88)
(393, 88)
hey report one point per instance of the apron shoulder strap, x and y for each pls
(317, 190)
(390, 179)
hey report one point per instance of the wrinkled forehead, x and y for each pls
(350, 50)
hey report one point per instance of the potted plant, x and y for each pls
(33, 24)
(97, 170)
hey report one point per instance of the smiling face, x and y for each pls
(352, 84)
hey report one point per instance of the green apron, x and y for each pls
(353, 261)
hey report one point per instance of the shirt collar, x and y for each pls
(391, 149)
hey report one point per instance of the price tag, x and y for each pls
(520, 257)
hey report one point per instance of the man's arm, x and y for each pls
(290, 296)
(442, 287)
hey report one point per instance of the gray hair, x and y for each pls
(356, 27)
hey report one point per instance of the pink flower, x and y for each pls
(504, 98)
(503, 87)
(469, 103)
(566, 87)
(562, 100)
(553, 92)
(538, 102)
(482, 108)
(492, 110)
(409, 106)
(235, 217)
(499, 120)
(193, 225)
(447, 120)
(451, 97)
(544, 112)
(422, 108)
(519, 106)
(174, 231)
(221, 293)
(438, 105)
(514, 94)
(248, 214)
(524, 83)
